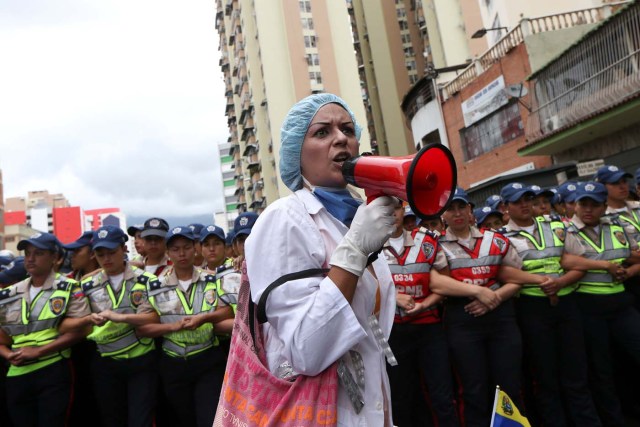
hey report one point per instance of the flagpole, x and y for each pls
(495, 403)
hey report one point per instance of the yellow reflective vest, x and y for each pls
(36, 324)
(614, 247)
(173, 304)
(115, 339)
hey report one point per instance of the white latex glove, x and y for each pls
(370, 229)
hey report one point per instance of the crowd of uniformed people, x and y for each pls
(551, 315)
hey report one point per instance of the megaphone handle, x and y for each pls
(372, 194)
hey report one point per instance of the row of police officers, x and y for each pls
(159, 326)
(530, 292)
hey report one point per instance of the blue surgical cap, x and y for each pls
(293, 130)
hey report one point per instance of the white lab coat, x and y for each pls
(311, 324)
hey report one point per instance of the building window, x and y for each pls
(413, 78)
(315, 77)
(307, 23)
(313, 59)
(305, 6)
(406, 38)
(309, 41)
(491, 132)
(403, 25)
(411, 65)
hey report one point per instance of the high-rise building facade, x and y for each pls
(399, 42)
(272, 55)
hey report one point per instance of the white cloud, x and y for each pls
(116, 103)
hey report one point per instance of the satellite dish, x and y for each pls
(516, 91)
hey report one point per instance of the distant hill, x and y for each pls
(173, 221)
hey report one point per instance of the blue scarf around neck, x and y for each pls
(340, 203)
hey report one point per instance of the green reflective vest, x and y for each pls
(115, 339)
(172, 305)
(36, 323)
(614, 247)
(544, 258)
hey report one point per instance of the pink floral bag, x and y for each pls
(251, 395)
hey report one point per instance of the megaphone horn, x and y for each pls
(426, 180)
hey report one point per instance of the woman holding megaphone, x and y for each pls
(343, 318)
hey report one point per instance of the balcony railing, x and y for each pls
(596, 74)
(516, 36)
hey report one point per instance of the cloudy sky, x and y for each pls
(115, 103)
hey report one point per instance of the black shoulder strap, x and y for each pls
(262, 315)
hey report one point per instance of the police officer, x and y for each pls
(123, 369)
(153, 234)
(31, 313)
(479, 319)
(417, 338)
(241, 229)
(606, 307)
(83, 261)
(618, 204)
(196, 228)
(12, 271)
(212, 239)
(188, 304)
(488, 218)
(548, 315)
(135, 232)
(541, 203)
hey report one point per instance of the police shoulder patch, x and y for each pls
(143, 278)
(209, 278)
(87, 284)
(428, 249)
(6, 293)
(136, 297)
(63, 285)
(560, 233)
(621, 237)
(56, 305)
(210, 296)
(154, 284)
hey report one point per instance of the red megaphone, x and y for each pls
(426, 180)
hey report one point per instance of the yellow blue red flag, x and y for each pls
(505, 413)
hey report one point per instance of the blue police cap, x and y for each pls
(244, 223)
(608, 174)
(155, 227)
(482, 213)
(212, 230)
(108, 236)
(514, 191)
(460, 195)
(229, 238)
(180, 231)
(638, 177)
(539, 191)
(592, 190)
(133, 229)
(45, 241)
(196, 228)
(14, 272)
(83, 240)
(493, 201)
(557, 197)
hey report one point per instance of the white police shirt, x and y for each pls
(311, 324)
